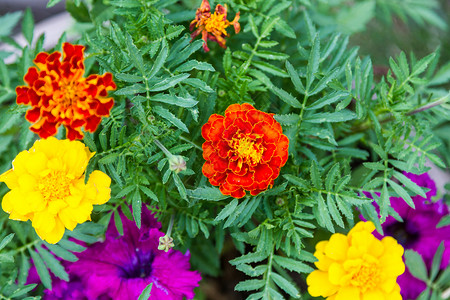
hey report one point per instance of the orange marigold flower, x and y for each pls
(244, 150)
(59, 94)
(213, 26)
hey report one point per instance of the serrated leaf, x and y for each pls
(285, 285)
(292, 265)
(207, 193)
(286, 97)
(251, 257)
(437, 259)
(53, 264)
(9, 21)
(315, 175)
(199, 84)
(300, 182)
(41, 269)
(28, 25)
(227, 210)
(6, 240)
(170, 117)
(108, 159)
(249, 285)
(159, 62)
(135, 55)
(402, 193)
(409, 184)
(22, 290)
(295, 78)
(174, 100)
(168, 82)
(271, 55)
(339, 116)
(136, 204)
(327, 99)
(145, 295)
(194, 64)
(149, 193)
(313, 62)
(118, 222)
(61, 252)
(288, 119)
(416, 265)
(269, 68)
(180, 186)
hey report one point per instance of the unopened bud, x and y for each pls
(280, 201)
(165, 243)
(177, 163)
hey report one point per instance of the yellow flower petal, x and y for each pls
(48, 186)
(374, 295)
(335, 273)
(347, 293)
(99, 182)
(319, 285)
(357, 266)
(10, 178)
(337, 247)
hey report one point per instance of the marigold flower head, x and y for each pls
(59, 94)
(48, 187)
(244, 150)
(357, 266)
(213, 26)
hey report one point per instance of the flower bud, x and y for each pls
(165, 243)
(177, 163)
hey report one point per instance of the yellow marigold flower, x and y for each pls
(213, 26)
(357, 266)
(48, 187)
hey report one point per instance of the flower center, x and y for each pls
(55, 186)
(367, 276)
(248, 150)
(140, 266)
(69, 93)
(216, 22)
(406, 233)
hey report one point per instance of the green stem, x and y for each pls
(164, 149)
(190, 142)
(169, 230)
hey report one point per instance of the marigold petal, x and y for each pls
(374, 295)
(255, 116)
(243, 181)
(335, 273)
(347, 293)
(53, 236)
(319, 285)
(208, 150)
(33, 114)
(337, 247)
(208, 170)
(100, 182)
(10, 178)
(238, 193)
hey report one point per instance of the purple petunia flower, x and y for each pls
(121, 267)
(418, 231)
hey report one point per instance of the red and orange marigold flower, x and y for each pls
(213, 26)
(244, 150)
(59, 94)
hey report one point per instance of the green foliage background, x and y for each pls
(350, 128)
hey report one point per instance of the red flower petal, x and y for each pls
(243, 150)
